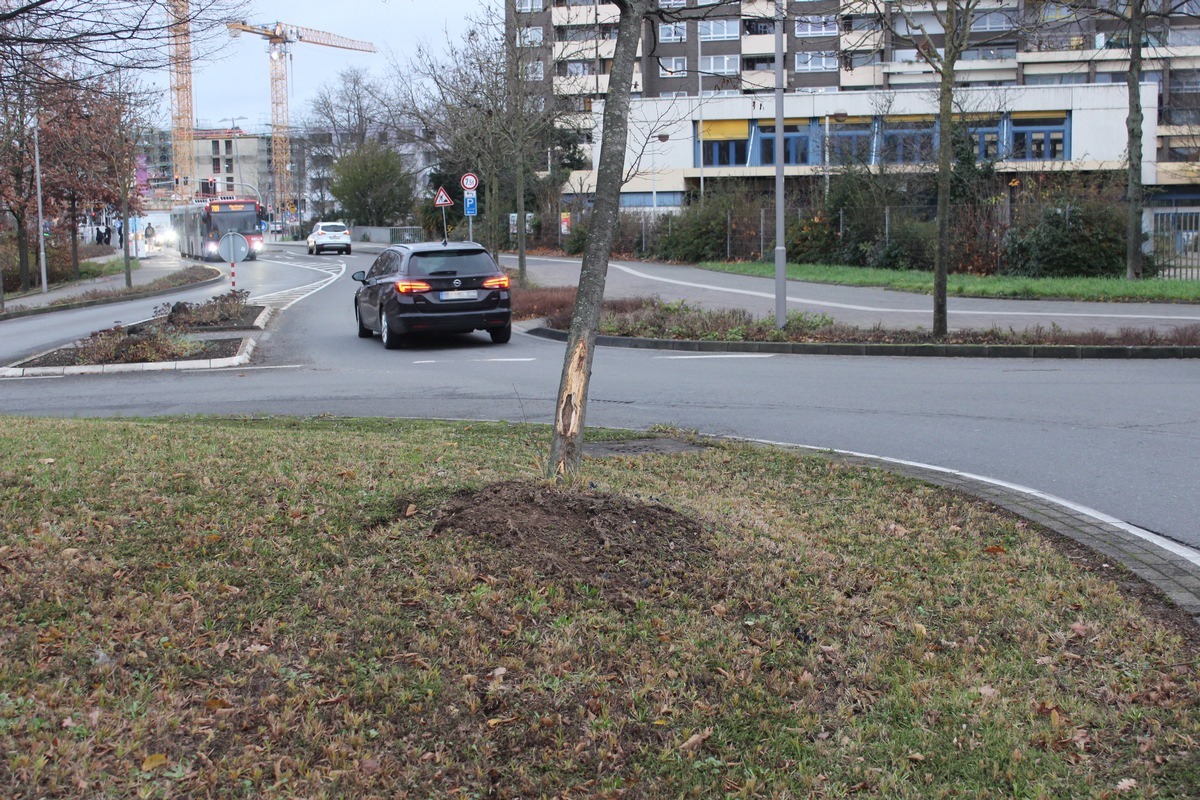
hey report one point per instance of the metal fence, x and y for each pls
(1176, 243)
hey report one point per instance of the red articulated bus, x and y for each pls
(201, 225)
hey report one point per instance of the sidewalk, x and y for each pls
(152, 267)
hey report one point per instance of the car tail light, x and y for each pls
(410, 287)
(500, 282)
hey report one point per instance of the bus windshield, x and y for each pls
(236, 221)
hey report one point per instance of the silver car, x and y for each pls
(329, 236)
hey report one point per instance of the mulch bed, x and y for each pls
(209, 348)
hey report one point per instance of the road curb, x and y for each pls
(1059, 352)
(1171, 567)
(243, 356)
(104, 301)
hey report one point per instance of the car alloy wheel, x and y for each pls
(391, 341)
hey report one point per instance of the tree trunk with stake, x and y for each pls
(566, 447)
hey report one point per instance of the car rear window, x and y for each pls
(458, 262)
(334, 228)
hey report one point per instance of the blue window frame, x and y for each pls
(729, 153)
(1039, 139)
(909, 144)
(795, 145)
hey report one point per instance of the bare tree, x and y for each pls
(99, 36)
(941, 36)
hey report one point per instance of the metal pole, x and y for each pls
(700, 108)
(780, 247)
(37, 166)
(825, 158)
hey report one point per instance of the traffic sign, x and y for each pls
(469, 182)
(470, 203)
(233, 247)
(441, 199)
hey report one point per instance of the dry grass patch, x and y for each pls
(278, 609)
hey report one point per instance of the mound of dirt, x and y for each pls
(622, 546)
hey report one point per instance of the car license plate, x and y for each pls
(459, 294)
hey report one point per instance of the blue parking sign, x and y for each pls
(470, 207)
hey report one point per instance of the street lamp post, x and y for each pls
(838, 116)
(780, 246)
(662, 137)
(37, 168)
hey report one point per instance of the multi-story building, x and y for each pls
(858, 64)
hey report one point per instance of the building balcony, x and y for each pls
(583, 51)
(580, 84)
(758, 45)
(605, 13)
(861, 40)
(862, 76)
(758, 9)
(758, 79)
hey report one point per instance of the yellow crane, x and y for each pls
(183, 154)
(280, 37)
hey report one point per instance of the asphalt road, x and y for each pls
(1120, 437)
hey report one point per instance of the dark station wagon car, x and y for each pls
(437, 287)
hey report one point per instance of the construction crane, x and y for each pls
(183, 154)
(280, 37)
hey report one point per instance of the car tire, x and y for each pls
(347, 251)
(363, 331)
(501, 335)
(391, 340)
(310, 250)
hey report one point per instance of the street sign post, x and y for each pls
(470, 209)
(442, 200)
(233, 248)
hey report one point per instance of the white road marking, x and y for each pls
(924, 311)
(285, 299)
(1181, 550)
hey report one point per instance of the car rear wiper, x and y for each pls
(443, 272)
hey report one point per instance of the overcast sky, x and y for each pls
(238, 83)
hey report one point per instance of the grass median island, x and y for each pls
(997, 286)
(373, 608)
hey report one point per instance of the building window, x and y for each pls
(719, 30)
(997, 53)
(795, 145)
(758, 63)
(229, 147)
(1039, 139)
(216, 147)
(529, 6)
(758, 27)
(991, 21)
(816, 26)
(229, 185)
(864, 59)
(672, 3)
(908, 145)
(535, 71)
(576, 69)
(725, 154)
(1053, 12)
(672, 67)
(720, 65)
(850, 143)
(673, 94)
(672, 32)
(216, 163)
(530, 37)
(816, 62)
(229, 165)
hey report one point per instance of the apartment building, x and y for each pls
(860, 61)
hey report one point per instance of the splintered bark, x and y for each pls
(566, 447)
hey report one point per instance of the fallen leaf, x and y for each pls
(216, 702)
(695, 740)
(412, 509)
(994, 549)
(988, 692)
(153, 762)
(1080, 629)
(496, 722)
(369, 766)
(915, 757)
(1126, 785)
(46, 461)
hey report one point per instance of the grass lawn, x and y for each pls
(1095, 289)
(372, 608)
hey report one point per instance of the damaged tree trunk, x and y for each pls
(566, 447)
